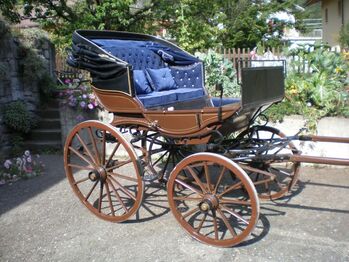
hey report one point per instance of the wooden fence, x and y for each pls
(233, 54)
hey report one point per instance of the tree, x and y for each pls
(194, 24)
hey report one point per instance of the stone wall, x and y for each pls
(16, 81)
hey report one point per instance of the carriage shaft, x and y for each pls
(331, 139)
(320, 160)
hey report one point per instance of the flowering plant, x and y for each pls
(25, 166)
(78, 95)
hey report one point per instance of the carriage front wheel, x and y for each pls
(103, 170)
(213, 199)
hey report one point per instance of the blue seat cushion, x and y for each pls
(158, 98)
(184, 94)
(141, 83)
(161, 79)
(225, 101)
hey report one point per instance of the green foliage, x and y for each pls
(18, 118)
(219, 71)
(318, 93)
(8, 8)
(344, 36)
(47, 86)
(194, 25)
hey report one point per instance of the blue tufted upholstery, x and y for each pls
(184, 94)
(188, 79)
(188, 76)
(158, 98)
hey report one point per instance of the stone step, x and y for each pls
(49, 123)
(45, 134)
(49, 114)
(44, 145)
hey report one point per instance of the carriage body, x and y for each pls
(216, 163)
(119, 61)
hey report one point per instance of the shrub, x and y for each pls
(219, 70)
(317, 93)
(18, 118)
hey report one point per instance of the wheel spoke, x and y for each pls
(80, 155)
(187, 198)
(123, 177)
(109, 199)
(215, 225)
(118, 197)
(123, 189)
(201, 223)
(197, 180)
(119, 164)
(234, 214)
(207, 175)
(188, 187)
(234, 201)
(100, 196)
(94, 144)
(81, 167)
(112, 153)
(162, 156)
(226, 222)
(103, 147)
(81, 180)
(191, 212)
(90, 192)
(85, 148)
(231, 188)
(219, 180)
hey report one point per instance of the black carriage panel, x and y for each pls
(262, 86)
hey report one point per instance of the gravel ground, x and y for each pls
(42, 220)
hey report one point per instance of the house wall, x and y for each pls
(332, 22)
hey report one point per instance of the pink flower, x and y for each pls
(7, 164)
(84, 96)
(29, 159)
(82, 104)
(67, 81)
(90, 106)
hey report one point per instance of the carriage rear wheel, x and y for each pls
(220, 207)
(164, 154)
(272, 179)
(103, 170)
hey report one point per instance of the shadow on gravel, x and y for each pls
(154, 204)
(13, 195)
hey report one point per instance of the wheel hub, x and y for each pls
(210, 202)
(98, 174)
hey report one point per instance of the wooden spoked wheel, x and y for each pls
(220, 207)
(103, 170)
(272, 179)
(164, 154)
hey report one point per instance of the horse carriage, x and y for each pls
(216, 162)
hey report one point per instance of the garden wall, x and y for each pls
(17, 74)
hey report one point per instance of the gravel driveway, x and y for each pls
(42, 220)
